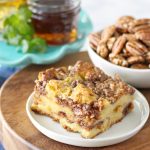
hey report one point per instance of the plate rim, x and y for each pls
(125, 136)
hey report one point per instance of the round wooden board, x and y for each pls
(19, 134)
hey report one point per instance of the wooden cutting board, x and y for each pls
(18, 133)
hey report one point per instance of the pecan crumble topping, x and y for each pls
(75, 83)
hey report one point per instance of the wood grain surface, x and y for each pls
(19, 134)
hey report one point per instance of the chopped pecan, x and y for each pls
(124, 23)
(136, 48)
(135, 59)
(118, 60)
(139, 66)
(62, 72)
(118, 45)
(107, 33)
(111, 42)
(102, 49)
(128, 108)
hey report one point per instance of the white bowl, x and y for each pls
(139, 78)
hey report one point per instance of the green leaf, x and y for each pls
(18, 30)
(34, 45)
(13, 20)
(11, 36)
(38, 44)
(25, 13)
(25, 29)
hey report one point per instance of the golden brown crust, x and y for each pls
(83, 84)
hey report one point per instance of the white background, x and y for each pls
(105, 12)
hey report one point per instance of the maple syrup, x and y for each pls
(55, 20)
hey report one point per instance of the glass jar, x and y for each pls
(55, 20)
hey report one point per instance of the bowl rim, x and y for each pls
(117, 66)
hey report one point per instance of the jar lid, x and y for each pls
(52, 5)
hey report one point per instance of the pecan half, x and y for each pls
(94, 47)
(135, 59)
(141, 28)
(110, 43)
(139, 66)
(143, 35)
(124, 23)
(102, 49)
(136, 48)
(118, 45)
(118, 60)
(107, 33)
(140, 24)
(94, 38)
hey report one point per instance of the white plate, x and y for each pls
(119, 132)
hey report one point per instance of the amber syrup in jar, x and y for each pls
(55, 20)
